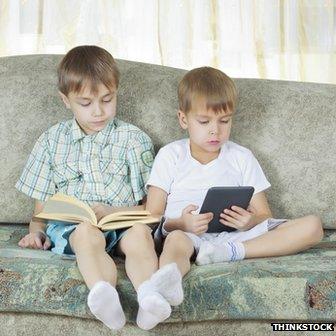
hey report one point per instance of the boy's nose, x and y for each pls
(97, 111)
(213, 130)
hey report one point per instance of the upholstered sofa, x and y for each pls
(289, 126)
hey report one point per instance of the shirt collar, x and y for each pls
(100, 137)
(76, 131)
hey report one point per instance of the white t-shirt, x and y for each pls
(186, 180)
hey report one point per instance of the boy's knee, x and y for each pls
(136, 238)
(177, 239)
(314, 225)
(86, 234)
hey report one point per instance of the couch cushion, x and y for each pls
(301, 286)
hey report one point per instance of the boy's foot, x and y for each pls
(104, 303)
(210, 253)
(168, 281)
(153, 307)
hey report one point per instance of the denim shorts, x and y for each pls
(59, 234)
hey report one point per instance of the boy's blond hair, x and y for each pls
(87, 66)
(207, 83)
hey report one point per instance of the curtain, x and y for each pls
(274, 39)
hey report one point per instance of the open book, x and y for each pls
(69, 209)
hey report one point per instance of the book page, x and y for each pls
(75, 201)
(124, 215)
(121, 224)
(65, 211)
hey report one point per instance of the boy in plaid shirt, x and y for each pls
(104, 162)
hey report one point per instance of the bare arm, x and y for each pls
(259, 206)
(36, 224)
(156, 204)
(36, 238)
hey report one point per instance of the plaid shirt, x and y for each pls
(110, 166)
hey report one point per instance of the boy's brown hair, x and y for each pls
(87, 65)
(207, 83)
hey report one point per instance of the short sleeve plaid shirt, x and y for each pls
(111, 166)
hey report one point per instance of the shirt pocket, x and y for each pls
(66, 174)
(114, 167)
(117, 183)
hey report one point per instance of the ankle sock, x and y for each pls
(103, 301)
(168, 281)
(153, 307)
(210, 253)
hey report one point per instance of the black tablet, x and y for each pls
(219, 198)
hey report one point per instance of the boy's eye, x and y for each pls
(203, 122)
(225, 121)
(107, 101)
(84, 104)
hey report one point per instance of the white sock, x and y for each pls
(153, 307)
(210, 253)
(168, 281)
(103, 301)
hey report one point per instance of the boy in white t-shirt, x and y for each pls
(184, 170)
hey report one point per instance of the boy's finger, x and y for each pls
(239, 210)
(190, 207)
(201, 229)
(228, 224)
(203, 222)
(206, 216)
(24, 242)
(231, 213)
(31, 242)
(38, 242)
(47, 244)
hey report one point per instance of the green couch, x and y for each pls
(290, 128)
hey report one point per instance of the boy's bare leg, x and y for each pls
(141, 260)
(288, 238)
(178, 248)
(99, 273)
(94, 263)
(174, 264)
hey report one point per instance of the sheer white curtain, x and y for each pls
(276, 39)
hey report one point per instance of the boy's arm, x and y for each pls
(260, 207)
(36, 224)
(156, 201)
(36, 238)
(156, 204)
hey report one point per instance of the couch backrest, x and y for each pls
(288, 125)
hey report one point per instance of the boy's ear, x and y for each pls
(182, 119)
(65, 99)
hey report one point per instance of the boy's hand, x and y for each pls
(35, 240)
(101, 210)
(196, 224)
(238, 218)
